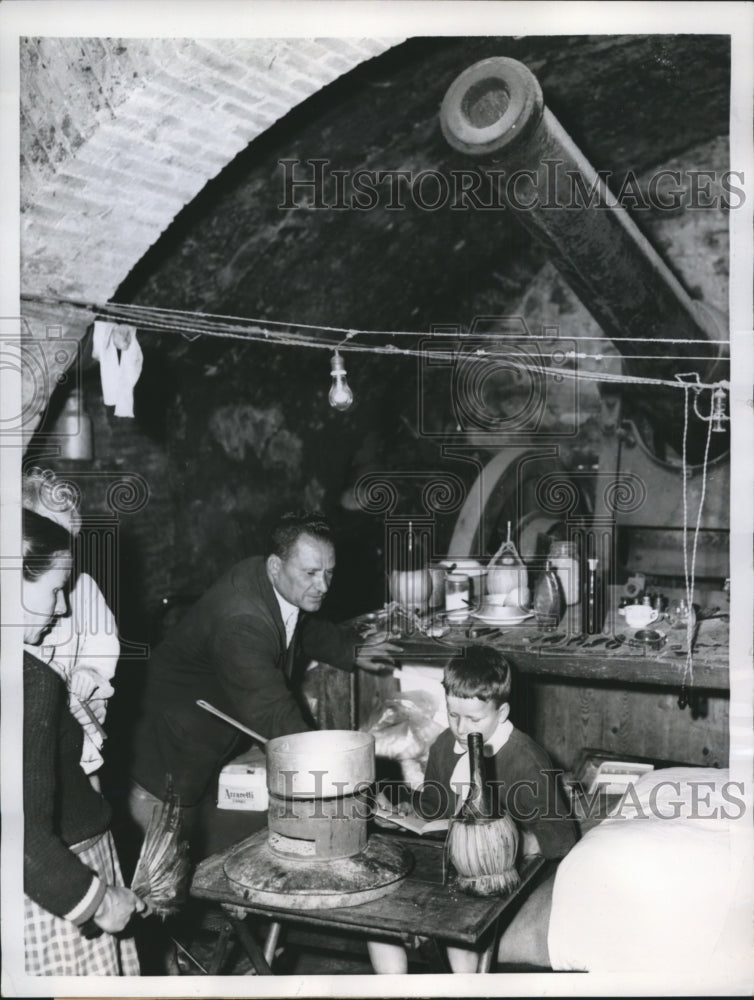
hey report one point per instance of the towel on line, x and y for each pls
(119, 374)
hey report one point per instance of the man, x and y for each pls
(240, 648)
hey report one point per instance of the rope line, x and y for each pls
(348, 331)
(157, 319)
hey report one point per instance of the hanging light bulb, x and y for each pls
(340, 395)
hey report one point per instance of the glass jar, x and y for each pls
(564, 560)
(457, 592)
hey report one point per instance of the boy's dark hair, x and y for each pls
(286, 531)
(479, 672)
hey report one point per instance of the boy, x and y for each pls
(477, 686)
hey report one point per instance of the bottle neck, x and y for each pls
(476, 757)
(475, 806)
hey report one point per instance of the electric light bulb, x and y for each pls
(340, 395)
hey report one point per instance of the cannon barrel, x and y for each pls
(494, 112)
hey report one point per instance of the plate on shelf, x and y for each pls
(495, 616)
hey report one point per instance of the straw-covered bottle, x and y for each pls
(481, 845)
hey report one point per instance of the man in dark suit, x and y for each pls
(241, 648)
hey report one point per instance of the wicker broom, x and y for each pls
(162, 871)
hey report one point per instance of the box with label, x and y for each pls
(243, 786)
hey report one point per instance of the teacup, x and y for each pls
(640, 615)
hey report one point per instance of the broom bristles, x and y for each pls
(162, 871)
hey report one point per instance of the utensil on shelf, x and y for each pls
(233, 722)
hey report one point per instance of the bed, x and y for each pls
(662, 883)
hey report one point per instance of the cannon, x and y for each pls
(494, 113)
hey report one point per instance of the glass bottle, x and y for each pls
(681, 614)
(482, 845)
(565, 563)
(593, 607)
(549, 601)
(477, 804)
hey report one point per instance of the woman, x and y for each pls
(73, 887)
(82, 647)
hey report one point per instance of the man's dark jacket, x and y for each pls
(230, 650)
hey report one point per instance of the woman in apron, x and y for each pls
(75, 902)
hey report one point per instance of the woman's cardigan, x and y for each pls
(61, 809)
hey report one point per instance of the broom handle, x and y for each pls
(226, 718)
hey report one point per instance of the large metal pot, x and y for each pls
(328, 763)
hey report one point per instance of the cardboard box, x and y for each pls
(243, 786)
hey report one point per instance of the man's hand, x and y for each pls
(378, 658)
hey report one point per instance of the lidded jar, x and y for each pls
(410, 579)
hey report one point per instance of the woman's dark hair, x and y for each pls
(43, 541)
(479, 672)
(290, 526)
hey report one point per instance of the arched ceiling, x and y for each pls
(235, 249)
(117, 135)
(128, 191)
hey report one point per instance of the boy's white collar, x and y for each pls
(494, 744)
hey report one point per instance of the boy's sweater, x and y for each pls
(523, 781)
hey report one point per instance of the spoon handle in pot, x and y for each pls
(233, 722)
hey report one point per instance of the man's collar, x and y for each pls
(286, 608)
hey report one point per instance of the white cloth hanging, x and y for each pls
(119, 374)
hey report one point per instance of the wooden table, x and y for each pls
(421, 913)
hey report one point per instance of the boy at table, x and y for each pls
(477, 685)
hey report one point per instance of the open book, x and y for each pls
(412, 822)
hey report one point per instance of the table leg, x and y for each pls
(433, 954)
(221, 949)
(250, 946)
(271, 943)
(486, 957)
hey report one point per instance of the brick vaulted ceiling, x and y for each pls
(150, 169)
(117, 136)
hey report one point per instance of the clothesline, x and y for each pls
(156, 319)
